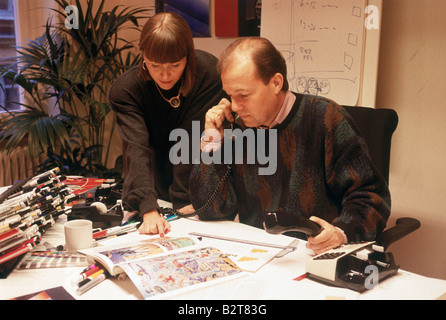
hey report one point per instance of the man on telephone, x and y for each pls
(323, 169)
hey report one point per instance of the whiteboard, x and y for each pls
(330, 49)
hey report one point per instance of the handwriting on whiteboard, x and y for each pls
(322, 42)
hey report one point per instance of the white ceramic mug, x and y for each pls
(78, 235)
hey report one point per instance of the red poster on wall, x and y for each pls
(226, 18)
(237, 18)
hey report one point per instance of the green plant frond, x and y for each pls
(19, 79)
(44, 53)
(73, 68)
(37, 65)
(99, 11)
(105, 108)
(55, 49)
(12, 143)
(45, 129)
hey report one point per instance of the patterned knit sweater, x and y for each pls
(323, 170)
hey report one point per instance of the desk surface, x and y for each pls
(273, 281)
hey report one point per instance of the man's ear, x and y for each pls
(277, 81)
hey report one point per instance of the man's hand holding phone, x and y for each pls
(215, 118)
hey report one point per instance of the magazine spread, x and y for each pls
(159, 266)
(112, 257)
(112, 253)
(177, 272)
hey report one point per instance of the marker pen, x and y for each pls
(89, 268)
(6, 209)
(89, 274)
(90, 284)
(14, 219)
(172, 217)
(115, 230)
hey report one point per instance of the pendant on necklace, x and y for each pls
(175, 102)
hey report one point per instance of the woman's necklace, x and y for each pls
(175, 101)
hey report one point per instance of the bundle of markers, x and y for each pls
(27, 209)
(89, 277)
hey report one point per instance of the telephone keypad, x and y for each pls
(329, 255)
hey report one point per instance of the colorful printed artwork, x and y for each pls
(233, 18)
(195, 12)
(180, 270)
(146, 248)
(237, 18)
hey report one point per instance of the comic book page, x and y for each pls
(174, 273)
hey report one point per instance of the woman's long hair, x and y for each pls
(167, 38)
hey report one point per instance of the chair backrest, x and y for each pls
(377, 126)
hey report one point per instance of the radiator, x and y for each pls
(15, 166)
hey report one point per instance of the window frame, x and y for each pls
(30, 18)
(5, 14)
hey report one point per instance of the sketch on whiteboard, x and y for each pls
(313, 86)
(322, 42)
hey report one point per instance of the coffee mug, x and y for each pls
(78, 235)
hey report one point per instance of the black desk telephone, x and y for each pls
(358, 266)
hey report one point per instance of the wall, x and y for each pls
(411, 79)
(33, 15)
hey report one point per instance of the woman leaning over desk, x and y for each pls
(173, 86)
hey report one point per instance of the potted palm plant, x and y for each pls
(65, 75)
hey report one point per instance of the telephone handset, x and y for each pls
(281, 222)
(238, 122)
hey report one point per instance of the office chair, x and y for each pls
(377, 127)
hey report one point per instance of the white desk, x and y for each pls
(271, 282)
